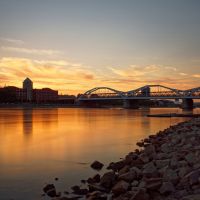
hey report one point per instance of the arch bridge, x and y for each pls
(146, 92)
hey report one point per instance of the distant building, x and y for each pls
(28, 87)
(45, 95)
(13, 94)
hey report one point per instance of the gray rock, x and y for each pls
(162, 163)
(144, 158)
(50, 190)
(165, 148)
(141, 194)
(149, 169)
(135, 183)
(120, 187)
(161, 156)
(153, 183)
(190, 158)
(116, 166)
(183, 171)
(192, 197)
(137, 171)
(180, 193)
(97, 165)
(124, 170)
(150, 149)
(108, 179)
(128, 177)
(167, 188)
(170, 175)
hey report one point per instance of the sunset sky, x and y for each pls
(75, 45)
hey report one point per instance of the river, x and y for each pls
(37, 145)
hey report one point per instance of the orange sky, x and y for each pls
(72, 78)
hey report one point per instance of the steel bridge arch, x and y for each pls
(192, 92)
(91, 91)
(135, 91)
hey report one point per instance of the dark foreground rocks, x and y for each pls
(97, 165)
(167, 167)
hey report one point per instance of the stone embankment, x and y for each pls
(167, 167)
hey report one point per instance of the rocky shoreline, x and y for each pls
(166, 166)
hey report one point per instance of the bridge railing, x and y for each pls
(146, 91)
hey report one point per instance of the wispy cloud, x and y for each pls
(55, 74)
(48, 52)
(13, 41)
(153, 74)
(183, 74)
(135, 71)
(66, 75)
(171, 68)
(196, 75)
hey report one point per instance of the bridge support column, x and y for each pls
(187, 104)
(130, 103)
(81, 103)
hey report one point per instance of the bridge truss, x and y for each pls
(145, 92)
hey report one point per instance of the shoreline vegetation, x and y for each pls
(165, 166)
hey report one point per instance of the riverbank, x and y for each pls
(166, 166)
(174, 115)
(41, 105)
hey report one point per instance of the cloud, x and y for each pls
(182, 74)
(68, 76)
(13, 41)
(56, 74)
(135, 71)
(196, 75)
(171, 68)
(47, 52)
(138, 76)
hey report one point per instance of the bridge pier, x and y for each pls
(130, 103)
(187, 104)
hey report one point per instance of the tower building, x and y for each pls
(28, 88)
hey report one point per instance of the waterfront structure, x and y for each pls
(132, 98)
(45, 95)
(12, 94)
(28, 88)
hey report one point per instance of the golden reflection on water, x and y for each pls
(34, 142)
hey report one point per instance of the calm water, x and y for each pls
(37, 145)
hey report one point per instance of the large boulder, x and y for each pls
(150, 149)
(191, 158)
(116, 166)
(95, 179)
(128, 177)
(153, 183)
(165, 148)
(120, 187)
(124, 170)
(167, 188)
(108, 179)
(162, 163)
(97, 165)
(149, 170)
(50, 190)
(140, 194)
(192, 197)
(170, 175)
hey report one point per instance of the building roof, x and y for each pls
(27, 80)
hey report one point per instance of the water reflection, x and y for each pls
(27, 122)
